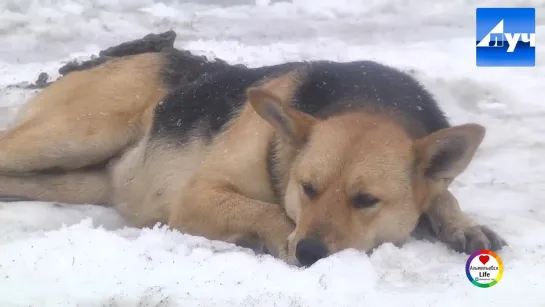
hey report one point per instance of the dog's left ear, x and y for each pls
(445, 154)
(290, 123)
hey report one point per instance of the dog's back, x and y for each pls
(325, 89)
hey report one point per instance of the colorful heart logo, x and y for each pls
(484, 259)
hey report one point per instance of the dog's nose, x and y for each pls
(308, 251)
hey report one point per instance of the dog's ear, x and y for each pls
(290, 123)
(445, 154)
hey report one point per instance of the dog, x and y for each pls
(303, 158)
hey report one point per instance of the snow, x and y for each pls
(74, 255)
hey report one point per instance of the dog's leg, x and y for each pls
(450, 225)
(78, 187)
(225, 215)
(46, 143)
(86, 117)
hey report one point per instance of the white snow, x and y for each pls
(85, 256)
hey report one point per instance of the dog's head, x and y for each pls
(358, 180)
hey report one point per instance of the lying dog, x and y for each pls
(310, 158)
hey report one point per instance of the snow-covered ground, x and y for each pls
(66, 255)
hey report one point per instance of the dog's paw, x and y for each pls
(474, 238)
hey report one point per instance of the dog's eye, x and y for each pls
(364, 200)
(309, 190)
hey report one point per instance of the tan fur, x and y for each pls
(84, 118)
(148, 185)
(346, 155)
(222, 190)
(77, 187)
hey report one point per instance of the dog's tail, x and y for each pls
(78, 187)
(13, 199)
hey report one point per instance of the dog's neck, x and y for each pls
(280, 158)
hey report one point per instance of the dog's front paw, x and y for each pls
(276, 239)
(474, 238)
(282, 251)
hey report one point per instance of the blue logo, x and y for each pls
(506, 37)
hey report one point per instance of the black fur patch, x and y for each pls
(149, 43)
(333, 88)
(182, 67)
(205, 106)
